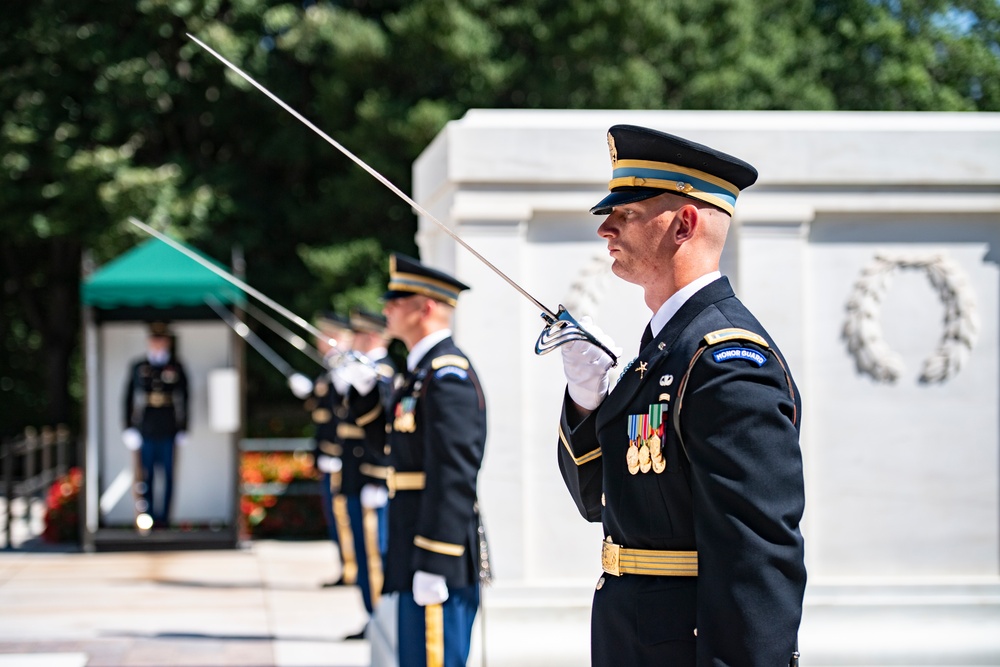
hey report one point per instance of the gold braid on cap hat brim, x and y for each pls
(429, 287)
(675, 178)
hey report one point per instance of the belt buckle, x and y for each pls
(390, 481)
(610, 557)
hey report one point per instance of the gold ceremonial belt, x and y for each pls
(396, 481)
(159, 399)
(618, 560)
(378, 472)
(350, 431)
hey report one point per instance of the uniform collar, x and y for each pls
(424, 346)
(674, 303)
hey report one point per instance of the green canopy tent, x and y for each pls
(156, 276)
(155, 281)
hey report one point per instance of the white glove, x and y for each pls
(329, 464)
(300, 385)
(374, 496)
(181, 438)
(429, 588)
(356, 374)
(132, 439)
(588, 367)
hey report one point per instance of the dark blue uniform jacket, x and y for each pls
(731, 487)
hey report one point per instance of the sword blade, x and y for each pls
(243, 331)
(294, 340)
(233, 280)
(379, 177)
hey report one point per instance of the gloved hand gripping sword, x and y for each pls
(560, 326)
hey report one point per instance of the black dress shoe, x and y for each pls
(331, 584)
(357, 635)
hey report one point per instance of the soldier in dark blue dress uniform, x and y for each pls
(692, 461)
(322, 406)
(156, 421)
(435, 436)
(366, 495)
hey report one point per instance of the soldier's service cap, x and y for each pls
(646, 163)
(407, 277)
(367, 321)
(159, 329)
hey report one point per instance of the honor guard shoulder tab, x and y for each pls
(724, 335)
(450, 360)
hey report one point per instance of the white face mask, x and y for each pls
(158, 357)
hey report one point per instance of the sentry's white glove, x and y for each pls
(300, 385)
(356, 374)
(182, 438)
(588, 367)
(374, 496)
(429, 588)
(132, 439)
(329, 464)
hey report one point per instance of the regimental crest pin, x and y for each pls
(666, 380)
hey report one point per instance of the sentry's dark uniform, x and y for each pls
(436, 425)
(435, 437)
(731, 491)
(156, 399)
(322, 406)
(692, 462)
(441, 435)
(362, 456)
(156, 404)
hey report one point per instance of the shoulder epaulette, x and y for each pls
(450, 360)
(723, 335)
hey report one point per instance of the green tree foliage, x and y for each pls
(108, 110)
(911, 55)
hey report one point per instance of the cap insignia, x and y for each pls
(612, 150)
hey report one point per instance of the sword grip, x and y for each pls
(562, 329)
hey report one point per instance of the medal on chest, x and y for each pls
(405, 420)
(645, 442)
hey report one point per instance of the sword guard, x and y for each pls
(337, 358)
(562, 329)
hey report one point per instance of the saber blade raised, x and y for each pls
(560, 328)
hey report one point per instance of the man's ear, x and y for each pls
(686, 223)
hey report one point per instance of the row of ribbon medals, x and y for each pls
(645, 437)
(404, 420)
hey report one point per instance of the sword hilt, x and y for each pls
(563, 328)
(336, 358)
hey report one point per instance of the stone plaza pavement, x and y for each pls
(261, 605)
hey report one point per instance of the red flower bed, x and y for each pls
(62, 508)
(282, 515)
(296, 515)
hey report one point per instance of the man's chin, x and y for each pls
(621, 270)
